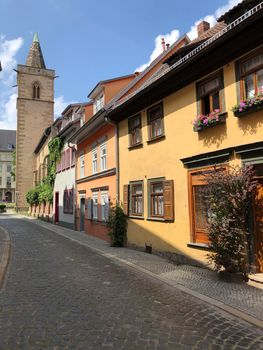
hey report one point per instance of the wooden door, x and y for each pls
(258, 217)
(82, 214)
(56, 207)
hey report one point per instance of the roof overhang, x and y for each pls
(234, 43)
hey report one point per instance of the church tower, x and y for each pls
(35, 112)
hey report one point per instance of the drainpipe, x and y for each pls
(110, 122)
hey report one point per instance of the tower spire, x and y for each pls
(35, 57)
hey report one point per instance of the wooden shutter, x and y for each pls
(90, 202)
(126, 189)
(168, 195)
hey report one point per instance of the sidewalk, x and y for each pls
(242, 300)
(4, 253)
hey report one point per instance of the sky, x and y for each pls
(87, 41)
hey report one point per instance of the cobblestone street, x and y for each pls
(59, 294)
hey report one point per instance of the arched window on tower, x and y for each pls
(36, 91)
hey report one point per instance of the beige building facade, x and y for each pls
(35, 113)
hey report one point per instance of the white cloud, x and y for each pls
(8, 51)
(8, 111)
(60, 105)
(192, 33)
(169, 38)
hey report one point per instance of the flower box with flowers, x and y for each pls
(202, 122)
(249, 105)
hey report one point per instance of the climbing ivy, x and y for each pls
(55, 147)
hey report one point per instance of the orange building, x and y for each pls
(96, 160)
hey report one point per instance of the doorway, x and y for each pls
(56, 207)
(82, 214)
(258, 224)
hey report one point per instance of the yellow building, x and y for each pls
(161, 152)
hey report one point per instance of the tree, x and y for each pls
(229, 194)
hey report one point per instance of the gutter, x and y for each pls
(110, 122)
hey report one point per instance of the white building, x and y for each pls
(7, 183)
(64, 188)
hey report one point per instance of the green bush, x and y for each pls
(229, 194)
(118, 226)
(32, 196)
(2, 207)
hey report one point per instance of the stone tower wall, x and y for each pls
(33, 117)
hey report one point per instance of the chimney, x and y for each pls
(167, 46)
(202, 27)
(163, 44)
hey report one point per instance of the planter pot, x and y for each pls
(248, 111)
(232, 277)
(222, 120)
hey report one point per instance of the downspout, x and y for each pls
(110, 122)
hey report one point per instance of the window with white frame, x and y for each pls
(98, 103)
(103, 157)
(94, 161)
(95, 205)
(104, 200)
(82, 166)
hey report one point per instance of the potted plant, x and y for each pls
(249, 105)
(202, 121)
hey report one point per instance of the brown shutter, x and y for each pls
(126, 199)
(168, 194)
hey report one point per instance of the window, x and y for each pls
(1, 168)
(137, 199)
(67, 158)
(8, 181)
(94, 161)
(209, 94)
(68, 201)
(155, 121)
(36, 91)
(63, 161)
(251, 71)
(98, 103)
(103, 157)
(10, 146)
(134, 125)
(73, 156)
(82, 166)
(156, 199)
(0, 183)
(95, 205)
(9, 168)
(65, 201)
(104, 199)
(160, 199)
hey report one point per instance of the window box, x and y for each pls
(249, 106)
(210, 120)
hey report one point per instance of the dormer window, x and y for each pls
(36, 91)
(98, 103)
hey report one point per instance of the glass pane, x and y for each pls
(156, 128)
(158, 205)
(157, 187)
(252, 63)
(249, 86)
(216, 103)
(137, 189)
(206, 104)
(155, 113)
(200, 208)
(260, 80)
(209, 86)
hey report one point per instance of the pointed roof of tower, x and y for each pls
(35, 57)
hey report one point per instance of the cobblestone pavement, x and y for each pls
(240, 296)
(62, 295)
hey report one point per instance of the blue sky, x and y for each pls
(87, 41)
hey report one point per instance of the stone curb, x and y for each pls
(216, 303)
(4, 259)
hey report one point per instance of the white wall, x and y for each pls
(64, 180)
